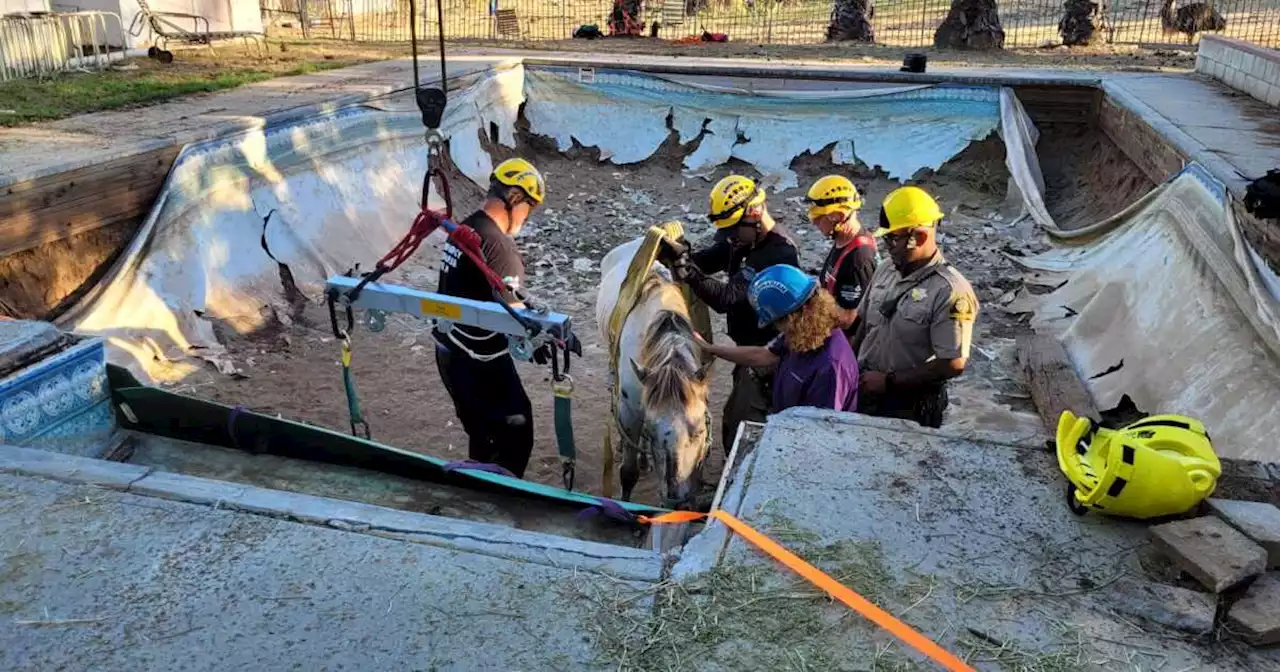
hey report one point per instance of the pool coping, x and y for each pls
(351, 516)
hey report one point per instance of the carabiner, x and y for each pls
(331, 297)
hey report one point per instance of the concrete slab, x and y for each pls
(1177, 608)
(1260, 521)
(106, 580)
(1211, 551)
(1256, 616)
(969, 541)
(69, 468)
(371, 487)
(1233, 127)
(496, 540)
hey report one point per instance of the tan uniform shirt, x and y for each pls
(933, 317)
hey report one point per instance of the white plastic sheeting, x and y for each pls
(340, 188)
(1026, 182)
(1168, 292)
(627, 116)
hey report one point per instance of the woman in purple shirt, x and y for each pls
(816, 366)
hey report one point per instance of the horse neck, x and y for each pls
(669, 355)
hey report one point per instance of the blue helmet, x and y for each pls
(780, 290)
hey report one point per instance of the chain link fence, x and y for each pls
(907, 23)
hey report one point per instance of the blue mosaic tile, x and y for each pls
(63, 403)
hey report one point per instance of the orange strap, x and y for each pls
(820, 579)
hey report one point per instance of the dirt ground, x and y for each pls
(1101, 57)
(592, 207)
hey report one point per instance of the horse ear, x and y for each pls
(639, 370)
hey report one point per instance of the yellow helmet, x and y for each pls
(908, 208)
(520, 173)
(731, 197)
(1158, 466)
(833, 193)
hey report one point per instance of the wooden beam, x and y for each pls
(54, 207)
(1052, 380)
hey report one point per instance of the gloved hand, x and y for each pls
(672, 250)
(542, 354)
(683, 268)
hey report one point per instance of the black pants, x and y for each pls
(926, 406)
(748, 402)
(491, 403)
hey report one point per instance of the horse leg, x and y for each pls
(630, 470)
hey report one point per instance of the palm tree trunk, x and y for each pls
(971, 24)
(851, 21)
(1077, 27)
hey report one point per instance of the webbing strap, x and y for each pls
(817, 577)
(860, 240)
(564, 431)
(359, 427)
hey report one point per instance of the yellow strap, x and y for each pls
(628, 296)
(821, 579)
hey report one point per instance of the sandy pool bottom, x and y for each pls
(293, 367)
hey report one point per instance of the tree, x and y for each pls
(851, 21)
(971, 24)
(1077, 26)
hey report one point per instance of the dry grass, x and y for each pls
(756, 615)
(141, 81)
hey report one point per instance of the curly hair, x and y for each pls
(808, 328)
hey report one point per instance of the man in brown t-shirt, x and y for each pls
(916, 320)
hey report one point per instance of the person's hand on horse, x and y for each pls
(682, 268)
(672, 250)
(874, 382)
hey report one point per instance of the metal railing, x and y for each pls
(38, 45)
(908, 23)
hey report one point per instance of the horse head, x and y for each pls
(674, 383)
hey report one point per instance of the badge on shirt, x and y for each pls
(918, 294)
(962, 309)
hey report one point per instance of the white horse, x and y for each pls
(662, 380)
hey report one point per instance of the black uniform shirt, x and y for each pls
(847, 271)
(459, 276)
(741, 263)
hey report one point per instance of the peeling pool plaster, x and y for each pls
(627, 116)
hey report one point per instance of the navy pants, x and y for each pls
(491, 403)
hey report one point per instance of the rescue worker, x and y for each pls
(917, 318)
(474, 363)
(846, 273)
(815, 363)
(746, 242)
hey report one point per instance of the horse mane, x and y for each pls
(670, 359)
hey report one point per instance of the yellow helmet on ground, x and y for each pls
(833, 193)
(731, 197)
(1158, 466)
(908, 208)
(520, 173)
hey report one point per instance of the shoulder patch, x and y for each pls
(963, 308)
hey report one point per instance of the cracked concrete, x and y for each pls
(965, 537)
(98, 578)
(492, 540)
